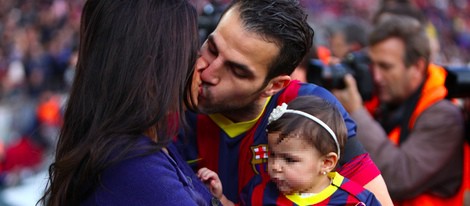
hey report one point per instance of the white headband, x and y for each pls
(282, 109)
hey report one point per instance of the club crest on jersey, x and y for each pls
(260, 157)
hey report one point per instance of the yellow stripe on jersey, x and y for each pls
(234, 129)
(321, 196)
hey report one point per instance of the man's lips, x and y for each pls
(201, 93)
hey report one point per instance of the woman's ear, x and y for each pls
(329, 162)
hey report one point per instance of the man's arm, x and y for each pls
(431, 154)
(360, 168)
(379, 188)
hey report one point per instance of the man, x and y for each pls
(244, 73)
(416, 137)
(346, 36)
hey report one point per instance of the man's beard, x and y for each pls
(246, 107)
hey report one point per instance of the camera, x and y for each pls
(332, 76)
(457, 81)
(357, 63)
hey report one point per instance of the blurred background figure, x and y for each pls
(346, 36)
(37, 42)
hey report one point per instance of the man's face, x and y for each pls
(393, 79)
(339, 46)
(235, 65)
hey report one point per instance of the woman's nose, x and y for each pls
(201, 64)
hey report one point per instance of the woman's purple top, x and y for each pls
(155, 179)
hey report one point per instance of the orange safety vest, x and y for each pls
(324, 54)
(433, 91)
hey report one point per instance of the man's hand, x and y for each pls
(349, 97)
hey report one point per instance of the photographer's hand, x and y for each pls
(349, 97)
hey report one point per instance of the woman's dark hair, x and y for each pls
(134, 70)
(292, 125)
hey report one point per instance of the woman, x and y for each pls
(134, 70)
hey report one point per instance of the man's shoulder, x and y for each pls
(301, 85)
(444, 107)
(443, 118)
(296, 88)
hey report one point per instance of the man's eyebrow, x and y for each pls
(211, 41)
(248, 72)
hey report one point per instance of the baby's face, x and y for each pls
(294, 165)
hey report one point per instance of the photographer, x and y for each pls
(416, 135)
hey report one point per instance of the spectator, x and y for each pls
(347, 36)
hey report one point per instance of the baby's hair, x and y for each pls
(291, 125)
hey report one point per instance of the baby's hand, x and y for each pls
(212, 181)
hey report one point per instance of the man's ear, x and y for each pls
(275, 85)
(329, 162)
(421, 65)
(419, 70)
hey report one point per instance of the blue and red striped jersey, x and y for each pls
(342, 191)
(237, 152)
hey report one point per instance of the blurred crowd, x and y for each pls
(38, 47)
(450, 20)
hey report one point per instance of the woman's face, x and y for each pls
(196, 82)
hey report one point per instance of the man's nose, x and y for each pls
(212, 72)
(201, 64)
(376, 74)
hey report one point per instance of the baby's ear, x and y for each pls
(329, 162)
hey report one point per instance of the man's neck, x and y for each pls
(248, 113)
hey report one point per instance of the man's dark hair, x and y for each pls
(353, 31)
(283, 22)
(404, 8)
(410, 31)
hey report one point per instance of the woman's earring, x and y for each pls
(323, 173)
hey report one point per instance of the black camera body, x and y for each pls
(457, 81)
(332, 76)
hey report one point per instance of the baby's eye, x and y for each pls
(290, 159)
(271, 154)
